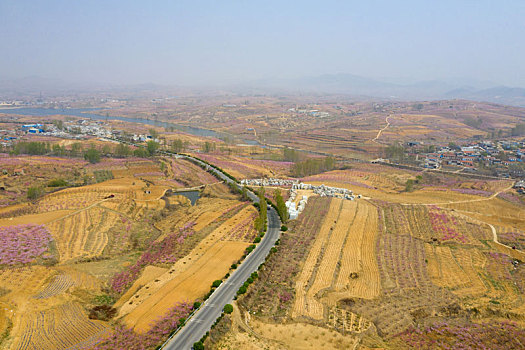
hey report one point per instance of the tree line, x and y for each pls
(77, 149)
(304, 166)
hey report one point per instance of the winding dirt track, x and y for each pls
(494, 195)
(381, 131)
(465, 213)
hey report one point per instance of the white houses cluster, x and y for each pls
(326, 191)
(293, 212)
(269, 182)
(293, 209)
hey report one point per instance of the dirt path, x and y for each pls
(381, 131)
(465, 213)
(494, 195)
(481, 222)
(77, 211)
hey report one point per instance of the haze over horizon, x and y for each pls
(210, 43)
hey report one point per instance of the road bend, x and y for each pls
(203, 319)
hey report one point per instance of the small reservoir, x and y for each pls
(192, 195)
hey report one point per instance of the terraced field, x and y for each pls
(84, 233)
(342, 261)
(190, 277)
(63, 327)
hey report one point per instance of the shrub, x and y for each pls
(250, 248)
(228, 308)
(104, 299)
(57, 183)
(34, 192)
(102, 312)
(92, 155)
(196, 305)
(216, 283)
(198, 346)
(284, 228)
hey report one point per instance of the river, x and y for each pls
(89, 113)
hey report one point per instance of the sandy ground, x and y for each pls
(38, 219)
(149, 274)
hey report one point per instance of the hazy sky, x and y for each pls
(201, 42)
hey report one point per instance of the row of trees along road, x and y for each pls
(260, 221)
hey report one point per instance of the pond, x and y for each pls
(192, 195)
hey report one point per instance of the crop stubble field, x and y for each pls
(382, 270)
(83, 238)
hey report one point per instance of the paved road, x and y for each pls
(201, 322)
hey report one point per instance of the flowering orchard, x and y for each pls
(190, 174)
(345, 177)
(157, 253)
(494, 336)
(444, 225)
(513, 239)
(244, 231)
(512, 197)
(273, 293)
(473, 191)
(126, 339)
(23, 244)
(449, 227)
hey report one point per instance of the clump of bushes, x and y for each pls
(34, 192)
(57, 183)
(102, 312)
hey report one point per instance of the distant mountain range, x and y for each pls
(347, 84)
(350, 84)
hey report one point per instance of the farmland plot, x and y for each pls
(63, 327)
(346, 321)
(58, 285)
(342, 261)
(78, 198)
(302, 302)
(358, 257)
(190, 277)
(274, 294)
(83, 234)
(432, 222)
(405, 284)
(456, 269)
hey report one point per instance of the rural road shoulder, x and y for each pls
(203, 319)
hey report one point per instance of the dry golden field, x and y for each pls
(341, 263)
(189, 278)
(94, 233)
(379, 270)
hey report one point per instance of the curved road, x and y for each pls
(203, 319)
